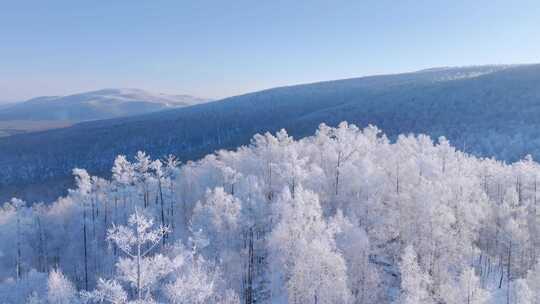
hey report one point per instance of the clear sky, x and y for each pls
(222, 48)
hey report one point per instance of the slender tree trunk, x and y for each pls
(502, 271)
(337, 172)
(106, 216)
(251, 260)
(19, 252)
(139, 291)
(508, 273)
(115, 220)
(162, 207)
(85, 249)
(95, 214)
(146, 195)
(42, 259)
(397, 179)
(171, 199)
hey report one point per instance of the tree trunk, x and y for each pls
(139, 291)
(337, 172)
(85, 250)
(162, 207)
(508, 273)
(19, 253)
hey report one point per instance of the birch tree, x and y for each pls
(137, 241)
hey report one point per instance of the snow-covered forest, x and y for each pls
(344, 216)
(488, 111)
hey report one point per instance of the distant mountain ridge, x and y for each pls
(94, 105)
(486, 110)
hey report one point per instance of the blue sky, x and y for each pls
(222, 48)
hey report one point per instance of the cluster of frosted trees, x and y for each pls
(344, 216)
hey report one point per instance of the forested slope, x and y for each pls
(488, 111)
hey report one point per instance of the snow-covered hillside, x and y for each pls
(102, 104)
(341, 217)
(487, 110)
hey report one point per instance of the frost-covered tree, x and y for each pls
(137, 241)
(60, 290)
(466, 290)
(307, 259)
(415, 283)
(533, 282)
(230, 297)
(82, 193)
(195, 283)
(520, 293)
(107, 291)
(363, 277)
(18, 207)
(217, 217)
(196, 280)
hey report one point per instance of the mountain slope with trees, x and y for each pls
(488, 111)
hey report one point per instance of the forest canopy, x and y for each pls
(344, 216)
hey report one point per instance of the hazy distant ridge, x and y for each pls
(102, 104)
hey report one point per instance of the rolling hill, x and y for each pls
(485, 110)
(49, 112)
